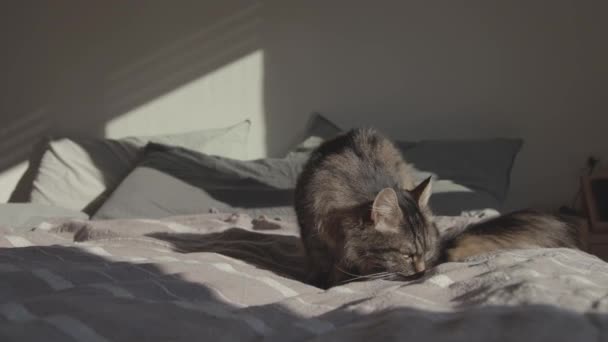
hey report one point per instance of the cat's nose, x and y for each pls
(419, 265)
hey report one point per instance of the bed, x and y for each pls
(145, 254)
(230, 277)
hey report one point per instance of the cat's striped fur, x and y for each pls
(360, 214)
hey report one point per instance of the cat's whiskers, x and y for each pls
(372, 276)
(350, 280)
(387, 276)
(348, 273)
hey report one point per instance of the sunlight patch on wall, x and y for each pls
(222, 97)
(209, 78)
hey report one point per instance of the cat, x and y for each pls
(516, 230)
(360, 214)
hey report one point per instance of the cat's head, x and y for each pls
(394, 235)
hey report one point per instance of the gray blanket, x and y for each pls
(227, 277)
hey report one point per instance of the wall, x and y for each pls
(116, 68)
(416, 69)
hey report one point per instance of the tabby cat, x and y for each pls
(360, 213)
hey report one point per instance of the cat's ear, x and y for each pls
(386, 213)
(422, 192)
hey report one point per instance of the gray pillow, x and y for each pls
(318, 129)
(29, 215)
(461, 166)
(468, 175)
(78, 174)
(176, 181)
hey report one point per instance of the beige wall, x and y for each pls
(416, 69)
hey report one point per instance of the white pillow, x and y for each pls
(79, 174)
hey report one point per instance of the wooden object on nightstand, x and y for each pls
(595, 203)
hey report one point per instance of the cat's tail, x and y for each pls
(516, 230)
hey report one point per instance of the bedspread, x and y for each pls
(231, 277)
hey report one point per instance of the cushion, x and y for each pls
(468, 175)
(318, 129)
(78, 174)
(171, 181)
(29, 215)
(482, 166)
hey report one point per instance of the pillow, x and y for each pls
(171, 181)
(318, 130)
(28, 215)
(79, 173)
(480, 166)
(468, 175)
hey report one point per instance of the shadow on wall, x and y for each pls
(63, 293)
(443, 70)
(74, 67)
(17, 137)
(413, 69)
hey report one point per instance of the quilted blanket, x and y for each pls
(230, 277)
